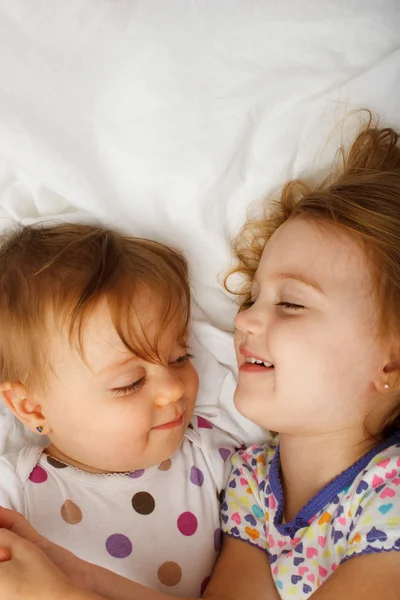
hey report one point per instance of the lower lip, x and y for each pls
(253, 368)
(171, 424)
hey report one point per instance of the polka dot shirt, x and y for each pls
(158, 526)
(358, 512)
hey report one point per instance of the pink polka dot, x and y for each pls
(187, 523)
(118, 545)
(203, 423)
(204, 584)
(38, 475)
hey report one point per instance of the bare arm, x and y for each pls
(365, 577)
(242, 572)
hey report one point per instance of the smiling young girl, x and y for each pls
(316, 513)
(94, 354)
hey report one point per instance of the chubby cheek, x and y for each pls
(122, 433)
(190, 380)
(237, 340)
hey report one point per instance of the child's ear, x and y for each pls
(391, 374)
(16, 398)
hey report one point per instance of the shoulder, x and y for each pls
(254, 462)
(380, 478)
(374, 504)
(20, 464)
(243, 508)
(15, 470)
(250, 472)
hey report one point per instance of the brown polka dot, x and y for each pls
(143, 503)
(56, 463)
(71, 513)
(166, 465)
(170, 574)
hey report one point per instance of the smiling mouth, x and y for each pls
(255, 365)
(256, 361)
(171, 424)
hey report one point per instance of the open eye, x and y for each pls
(128, 389)
(291, 306)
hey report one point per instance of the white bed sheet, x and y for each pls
(167, 118)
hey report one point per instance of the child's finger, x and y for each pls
(5, 554)
(14, 521)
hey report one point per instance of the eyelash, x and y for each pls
(288, 305)
(137, 385)
(246, 305)
(132, 387)
(291, 306)
(183, 359)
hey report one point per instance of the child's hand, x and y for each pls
(27, 574)
(76, 569)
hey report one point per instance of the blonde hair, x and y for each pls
(59, 274)
(362, 195)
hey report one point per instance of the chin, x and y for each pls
(244, 403)
(253, 410)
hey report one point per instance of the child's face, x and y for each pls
(326, 357)
(118, 412)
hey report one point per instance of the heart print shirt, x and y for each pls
(358, 512)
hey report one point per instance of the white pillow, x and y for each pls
(167, 119)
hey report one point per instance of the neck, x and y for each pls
(310, 462)
(58, 455)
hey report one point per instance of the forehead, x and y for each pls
(315, 250)
(101, 336)
(102, 346)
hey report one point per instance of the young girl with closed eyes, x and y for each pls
(315, 514)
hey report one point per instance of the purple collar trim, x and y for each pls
(324, 496)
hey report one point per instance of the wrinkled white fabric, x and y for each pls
(166, 119)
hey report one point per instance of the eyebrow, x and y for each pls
(114, 366)
(182, 343)
(307, 282)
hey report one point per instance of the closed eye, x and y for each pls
(291, 306)
(246, 305)
(182, 360)
(127, 389)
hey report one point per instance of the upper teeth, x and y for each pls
(255, 361)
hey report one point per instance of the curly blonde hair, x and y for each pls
(362, 195)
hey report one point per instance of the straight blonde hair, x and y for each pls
(57, 275)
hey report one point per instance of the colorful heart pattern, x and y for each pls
(361, 517)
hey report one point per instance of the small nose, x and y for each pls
(250, 321)
(170, 390)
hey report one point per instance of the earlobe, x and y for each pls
(16, 398)
(389, 379)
